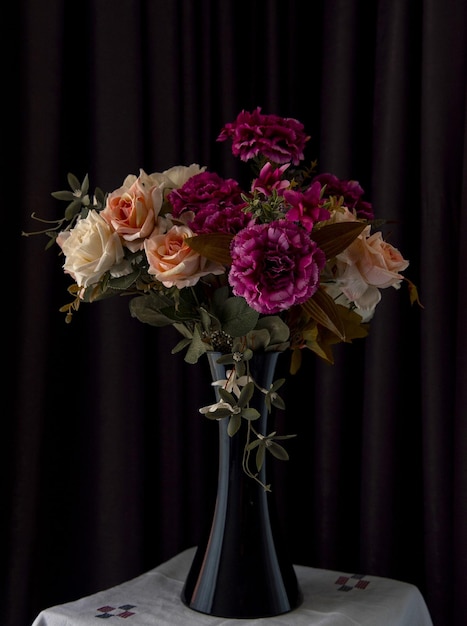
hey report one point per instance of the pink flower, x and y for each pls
(173, 262)
(351, 191)
(270, 178)
(279, 139)
(275, 266)
(215, 204)
(132, 209)
(366, 266)
(306, 206)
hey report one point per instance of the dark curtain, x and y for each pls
(107, 466)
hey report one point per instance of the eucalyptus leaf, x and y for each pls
(67, 196)
(234, 424)
(237, 318)
(73, 182)
(181, 345)
(122, 283)
(196, 348)
(250, 414)
(141, 308)
(278, 402)
(73, 209)
(278, 451)
(100, 196)
(85, 185)
(278, 330)
(220, 413)
(260, 456)
(246, 394)
(226, 396)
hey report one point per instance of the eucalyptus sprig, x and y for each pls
(235, 393)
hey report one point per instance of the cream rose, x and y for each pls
(176, 176)
(92, 248)
(132, 209)
(173, 262)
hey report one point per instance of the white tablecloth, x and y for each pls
(330, 599)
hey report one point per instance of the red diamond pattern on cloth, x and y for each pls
(107, 611)
(347, 583)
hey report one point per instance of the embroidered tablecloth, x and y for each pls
(330, 599)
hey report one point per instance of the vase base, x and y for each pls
(264, 592)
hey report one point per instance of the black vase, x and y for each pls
(242, 569)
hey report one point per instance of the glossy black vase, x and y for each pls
(242, 570)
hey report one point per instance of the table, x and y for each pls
(330, 599)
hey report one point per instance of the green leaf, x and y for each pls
(100, 196)
(278, 330)
(85, 185)
(124, 282)
(234, 424)
(278, 402)
(66, 195)
(72, 209)
(237, 318)
(146, 311)
(246, 394)
(226, 396)
(250, 414)
(73, 182)
(260, 456)
(218, 414)
(196, 349)
(278, 451)
(183, 330)
(181, 345)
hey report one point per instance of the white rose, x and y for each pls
(176, 176)
(91, 248)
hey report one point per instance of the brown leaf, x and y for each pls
(322, 308)
(213, 246)
(334, 238)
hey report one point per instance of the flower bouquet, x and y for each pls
(293, 262)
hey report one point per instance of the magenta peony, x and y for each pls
(275, 266)
(279, 139)
(215, 203)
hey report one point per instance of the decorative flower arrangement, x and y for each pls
(292, 263)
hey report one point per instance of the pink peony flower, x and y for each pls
(306, 206)
(279, 139)
(351, 191)
(270, 178)
(275, 266)
(215, 204)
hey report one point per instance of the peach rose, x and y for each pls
(366, 266)
(92, 248)
(133, 208)
(173, 262)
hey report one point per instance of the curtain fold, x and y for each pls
(109, 468)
